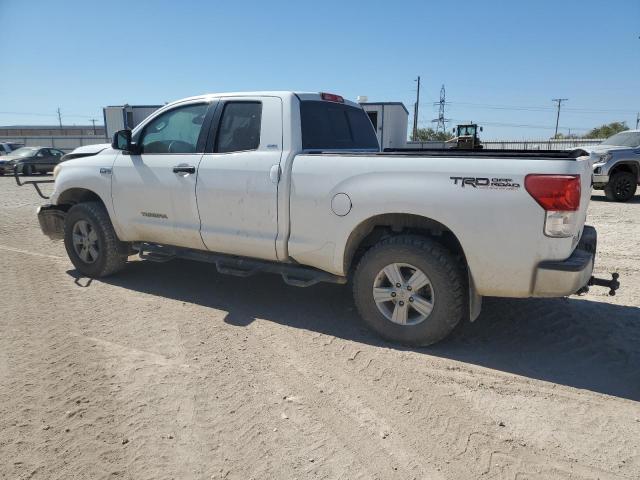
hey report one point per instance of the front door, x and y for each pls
(154, 191)
(238, 178)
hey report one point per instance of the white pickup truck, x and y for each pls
(295, 184)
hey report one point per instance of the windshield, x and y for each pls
(23, 152)
(466, 130)
(624, 139)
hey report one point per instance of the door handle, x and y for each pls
(184, 169)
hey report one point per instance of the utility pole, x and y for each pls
(59, 118)
(415, 112)
(93, 120)
(559, 100)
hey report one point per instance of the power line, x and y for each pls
(515, 125)
(538, 108)
(35, 114)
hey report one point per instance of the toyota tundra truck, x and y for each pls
(295, 184)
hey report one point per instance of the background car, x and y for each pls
(7, 147)
(31, 160)
(617, 168)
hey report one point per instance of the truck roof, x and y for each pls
(265, 93)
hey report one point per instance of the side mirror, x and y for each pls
(122, 140)
(480, 128)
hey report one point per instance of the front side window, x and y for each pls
(175, 131)
(239, 127)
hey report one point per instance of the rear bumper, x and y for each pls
(559, 278)
(51, 219)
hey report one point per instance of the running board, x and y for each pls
(292, 274)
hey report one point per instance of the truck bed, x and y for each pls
(492, 153)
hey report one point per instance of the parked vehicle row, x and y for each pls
(31, 160)
(295, 184)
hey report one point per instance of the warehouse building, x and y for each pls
(66, 137)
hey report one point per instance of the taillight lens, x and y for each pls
(559, 196)
(554, 192)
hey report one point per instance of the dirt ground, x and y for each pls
(174, 371)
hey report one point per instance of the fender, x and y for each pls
(92, 174)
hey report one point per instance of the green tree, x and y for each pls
(429, 134)
(604, 131)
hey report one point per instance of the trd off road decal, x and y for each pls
(483, 182)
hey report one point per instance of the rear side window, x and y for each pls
(239, 127)
(335, 126)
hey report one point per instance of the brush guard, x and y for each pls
(35, 183)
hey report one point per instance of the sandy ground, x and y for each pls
(174, 371)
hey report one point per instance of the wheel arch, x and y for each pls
(368, 232)
(626, 166)
(74, 195)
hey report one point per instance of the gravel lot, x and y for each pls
(174, 371)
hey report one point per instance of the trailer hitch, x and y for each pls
(612, 284)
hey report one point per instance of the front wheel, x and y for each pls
(91, 241)
(410, 289)
(27, 170)
(621, 187)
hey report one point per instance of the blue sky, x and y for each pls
(501, 61)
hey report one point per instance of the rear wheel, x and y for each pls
(621, 187)
(409, 289)
(91, 241)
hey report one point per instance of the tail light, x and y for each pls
(331, 97)
(559, 196)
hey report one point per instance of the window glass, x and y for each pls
(56, 153)
(175, 131)
(330, 126)
(624, 139)
(239, 127)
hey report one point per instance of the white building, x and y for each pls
(390, 120)
(119, 117)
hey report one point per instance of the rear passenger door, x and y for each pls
(238, 176)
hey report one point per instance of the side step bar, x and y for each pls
(292, 274)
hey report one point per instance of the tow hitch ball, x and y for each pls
(612, 284)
